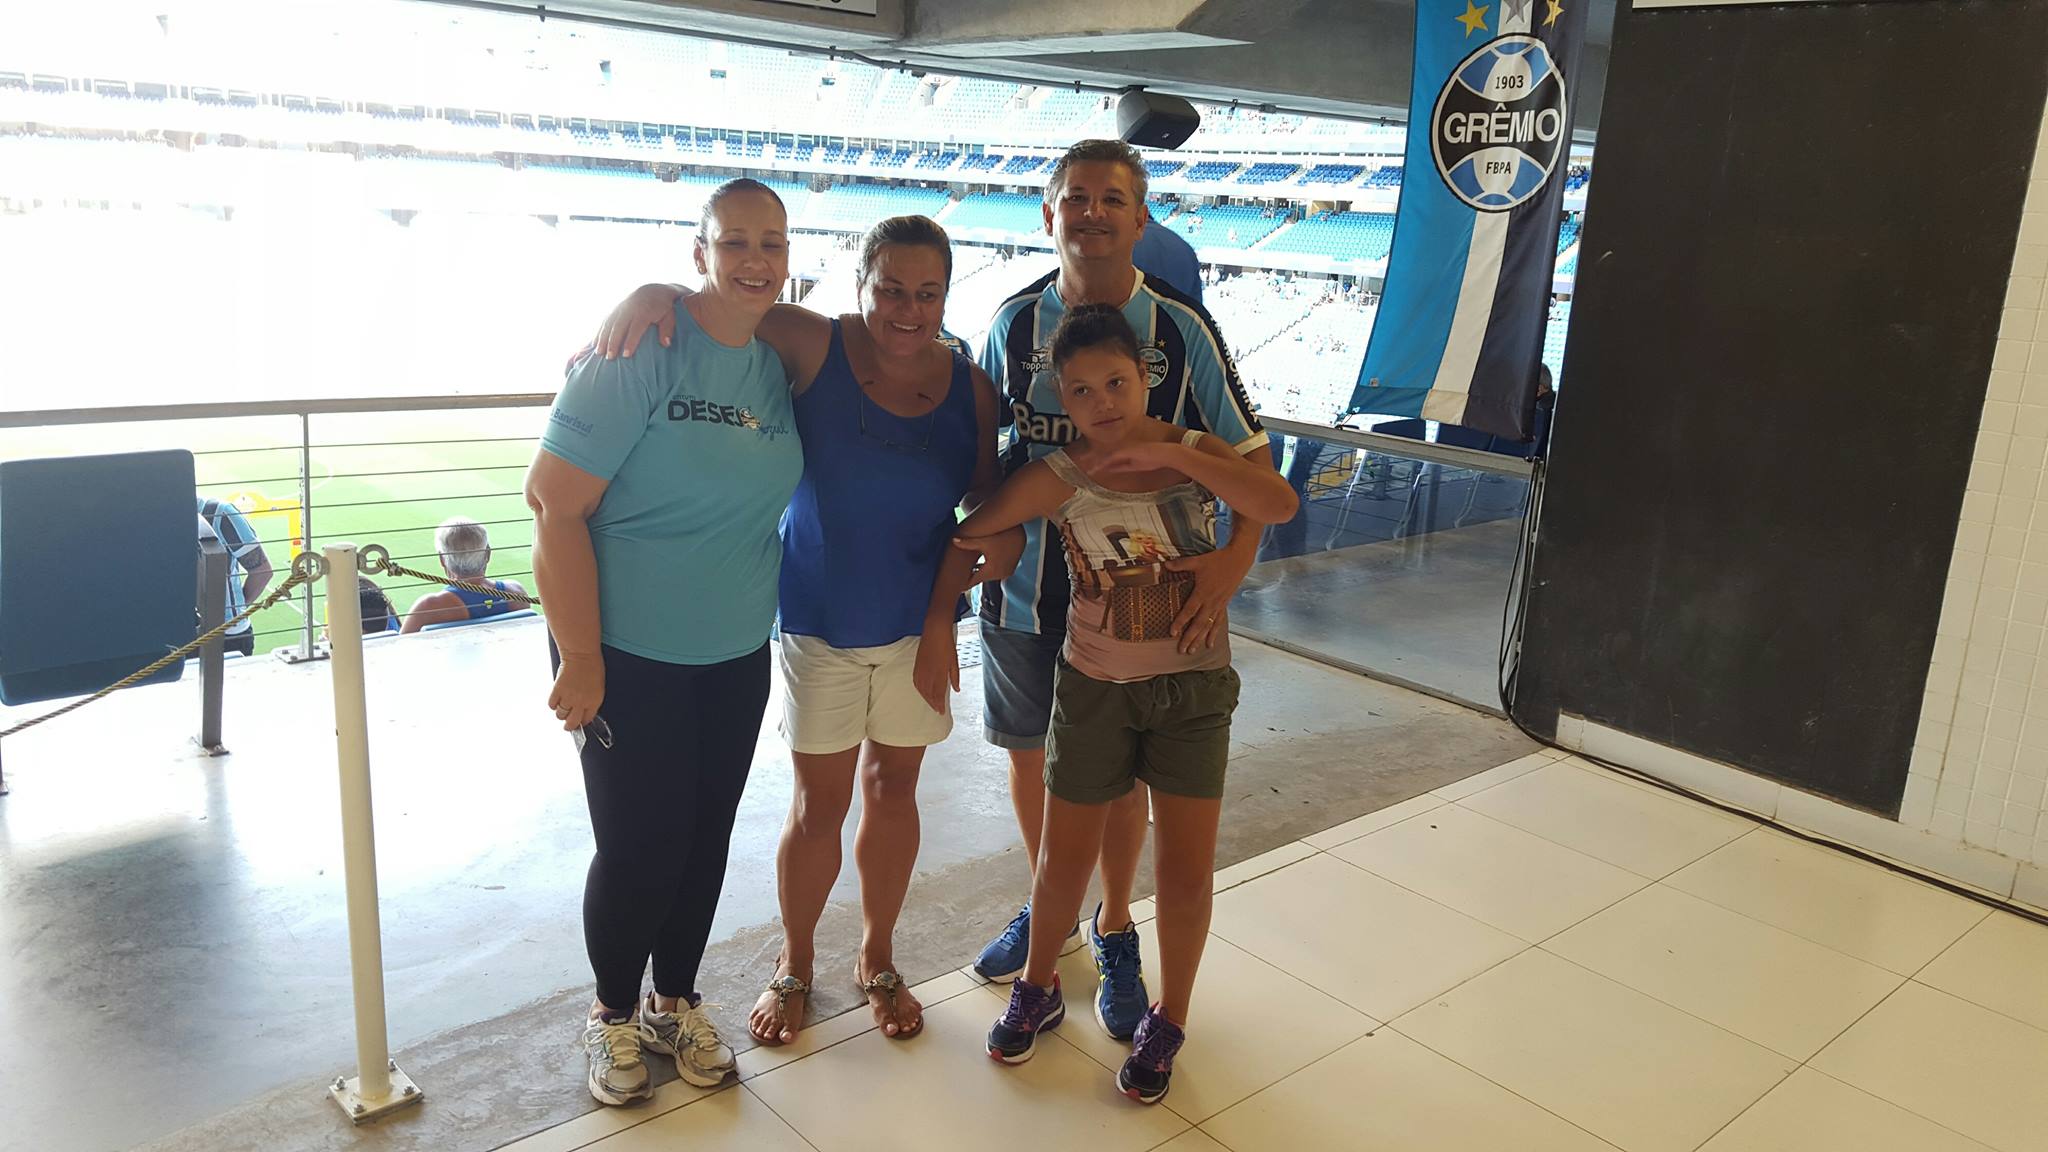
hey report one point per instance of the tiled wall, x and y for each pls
(1980, 759)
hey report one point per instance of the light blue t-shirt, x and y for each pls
(699, 443)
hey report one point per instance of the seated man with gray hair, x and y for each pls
(465, 549)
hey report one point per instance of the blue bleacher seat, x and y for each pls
(1267, 173)
(75, 617)
(1212, 170)
(1351, 235)
(1014, 212)
(1218, 221)
(856, 207)
(1332, 174)
(1154, 169)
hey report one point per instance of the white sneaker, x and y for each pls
(703, 1058)
(617, 1074)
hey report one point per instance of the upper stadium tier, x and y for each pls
(410, 76)
(46, 103)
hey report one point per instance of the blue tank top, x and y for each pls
(872, 515)
(481, 606)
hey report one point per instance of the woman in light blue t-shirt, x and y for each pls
(656, 494)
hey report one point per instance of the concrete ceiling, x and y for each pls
(1348, 57)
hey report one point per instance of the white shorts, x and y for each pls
(834, 698)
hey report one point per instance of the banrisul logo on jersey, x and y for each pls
(1500, 123)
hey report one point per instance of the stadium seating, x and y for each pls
(970, 106)
(1553, 339)
(1224, 225)
(1309, 370)
(1253, 308)
(1212, 170)
(1154, 169)
(1062, 108)
(1267, 173)
(1348, 235)
(1388, 176)
(856, 207)
(1014, 212)
(1332, 174)
(985, 162)
(975, 294)
(1019, 165)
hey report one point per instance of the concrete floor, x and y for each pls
(172, 928)
(1423, 611)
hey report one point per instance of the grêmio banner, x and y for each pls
(1460, 325)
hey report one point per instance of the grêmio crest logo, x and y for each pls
(1499, 123)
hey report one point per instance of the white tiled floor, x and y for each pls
(1544, 958)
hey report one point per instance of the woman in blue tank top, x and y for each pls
(898, 430)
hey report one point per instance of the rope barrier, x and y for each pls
(377, 559)
(307, 568)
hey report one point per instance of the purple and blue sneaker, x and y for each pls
(1146, 1075)
(1032, 1010)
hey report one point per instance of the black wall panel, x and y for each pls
(1796, 253)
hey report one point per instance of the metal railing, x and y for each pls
(1451, 454)
(239, 468)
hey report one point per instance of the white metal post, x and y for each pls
(378, 1086)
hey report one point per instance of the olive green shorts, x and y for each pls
(1172, 732)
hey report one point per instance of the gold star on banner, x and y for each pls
(1474, 18)
(1556, 10)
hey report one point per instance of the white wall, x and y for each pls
(1980, 761)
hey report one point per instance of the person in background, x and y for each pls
(1166, 255)
(465, 550)
(378, 614)
(246, 552)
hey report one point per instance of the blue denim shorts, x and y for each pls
(1016, 685)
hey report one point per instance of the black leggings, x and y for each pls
(662, 801)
